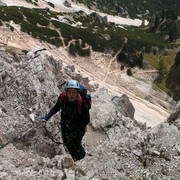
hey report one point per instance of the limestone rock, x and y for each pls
(174, 118)
(124, 106)
(103, 112)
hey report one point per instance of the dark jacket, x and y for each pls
(78, 122)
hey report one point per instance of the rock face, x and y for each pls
(117, 146)
(124, 106)
(102, 19)
(174, 118)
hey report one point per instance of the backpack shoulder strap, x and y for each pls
(61, 98)
(79, 101)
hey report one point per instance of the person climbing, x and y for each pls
(73, 119)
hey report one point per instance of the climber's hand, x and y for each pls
(44, 120)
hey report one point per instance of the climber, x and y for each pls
(73, 122)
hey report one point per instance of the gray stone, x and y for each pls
(124, 106)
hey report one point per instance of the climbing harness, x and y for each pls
(20, 137)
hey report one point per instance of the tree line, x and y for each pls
(166, 22)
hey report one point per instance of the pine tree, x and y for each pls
(162, 68)
(177, 59)
(173, 33)
(156, 23)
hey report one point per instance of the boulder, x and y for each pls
(103, 113)
(67, 4)
(124, 106)
(174, 118)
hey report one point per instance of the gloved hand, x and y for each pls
(44, 119)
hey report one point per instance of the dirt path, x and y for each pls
(110, 63)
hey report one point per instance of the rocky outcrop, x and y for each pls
(174, 118)
(67, 4)
(117, 146)
(101, 19)
(124, 106)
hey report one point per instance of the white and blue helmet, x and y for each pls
(72, 84)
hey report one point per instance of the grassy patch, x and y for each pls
(153, 59)
(170, 83)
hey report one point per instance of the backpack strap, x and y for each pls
(61, 98)
(90, 104)
(79, 103)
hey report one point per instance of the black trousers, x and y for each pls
(74, 145)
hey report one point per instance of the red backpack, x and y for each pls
(82, 95)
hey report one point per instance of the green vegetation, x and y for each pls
(122, 67)
(177, 59)
(8, 13)
(33, 21)
(35, 3)
(51, 4)
(35, 17)
(163, 71)
(165, 23)
(25, 51)
(169, 76)
(29, 1)
(46, 34)
(1, 23)
(129, 72)
(77, 49)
